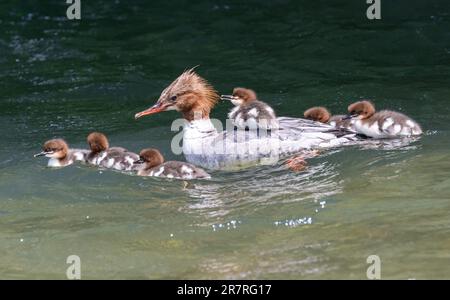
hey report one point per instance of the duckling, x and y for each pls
(322, 115)
(59, 153)
(102, 155)
(382, 124)
(249, 111)
(151, 163)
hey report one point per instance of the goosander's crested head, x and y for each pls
(151, 157)
(56, 148)
(319, 114)
(362, 109)
(189, 94)
(97, 142)
(241, 96)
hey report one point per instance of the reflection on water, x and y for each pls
(261, 188)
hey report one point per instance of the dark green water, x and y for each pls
(61, 78)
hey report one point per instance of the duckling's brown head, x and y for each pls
(361, 110)
(189, 94)
(240, 96)
(319, 114)
(56, 148)
(151, 157)
(97, 142)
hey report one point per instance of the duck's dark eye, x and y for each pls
(173, 98)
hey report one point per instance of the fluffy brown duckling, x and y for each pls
(59, 153)
(382, 124)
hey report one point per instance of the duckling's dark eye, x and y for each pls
(173, 98)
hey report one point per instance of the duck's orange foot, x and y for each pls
(296, 163)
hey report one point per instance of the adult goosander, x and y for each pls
(102, 155)
(204, 146)
(59, 153)
(153, 164)
(322, 115)
(382, 124)
(249, 111)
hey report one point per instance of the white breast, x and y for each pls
(53, 162)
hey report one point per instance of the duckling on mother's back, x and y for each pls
(249, 111)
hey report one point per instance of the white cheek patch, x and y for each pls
(236, 102)
(51, 155)
(172, 107)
